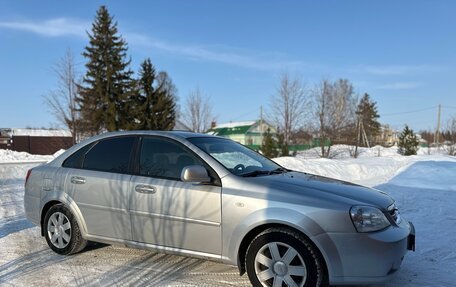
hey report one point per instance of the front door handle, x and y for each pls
(144, 188)
(78, 180)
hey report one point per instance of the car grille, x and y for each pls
(393, 211)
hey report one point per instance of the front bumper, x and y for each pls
(411, 238)
(368, 258)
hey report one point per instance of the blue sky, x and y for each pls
(400, 52)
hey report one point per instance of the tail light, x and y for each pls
(29, 172)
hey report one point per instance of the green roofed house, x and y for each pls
(249, 133)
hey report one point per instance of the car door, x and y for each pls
(168, 212)
(99, 183)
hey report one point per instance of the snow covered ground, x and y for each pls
(424, 187)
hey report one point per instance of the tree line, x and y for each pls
(330, 112)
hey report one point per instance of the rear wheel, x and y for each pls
(280, 257)
(62, 231)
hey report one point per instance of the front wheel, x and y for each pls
(282, 257)
(62, 231)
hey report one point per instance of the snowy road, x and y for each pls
(425, 192)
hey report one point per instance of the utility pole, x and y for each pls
(261, 125)
(261, 119)
(437, 131)
(365, 135)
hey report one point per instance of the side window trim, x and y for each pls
(90, 148)
(135, 155)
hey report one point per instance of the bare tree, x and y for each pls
(197, 112)
(62, 102)
(165, 83)
(334, 109)
(428, 136)
(451, 136)
(289, 105)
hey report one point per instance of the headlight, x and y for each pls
(368, 218)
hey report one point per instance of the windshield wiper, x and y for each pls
(255, 173)
(279, 170)
(264, 172)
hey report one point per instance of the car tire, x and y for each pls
(62, 232)
(282, 257)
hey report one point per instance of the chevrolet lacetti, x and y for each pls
(210, 197)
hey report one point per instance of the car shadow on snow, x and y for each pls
(28, 264)
(157, 269)
(148, 270)
(15, 225)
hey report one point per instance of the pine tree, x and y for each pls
(155, 107)
(367, 125)
(268, 147)
(282, 145)
(368, 115)
(142, 107)
(408, 143)
(108, 84)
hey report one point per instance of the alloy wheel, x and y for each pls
(59, 230)
(278, 264)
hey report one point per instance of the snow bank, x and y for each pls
(428, 174)
(343, 151)
(368, 169)
(9, 156)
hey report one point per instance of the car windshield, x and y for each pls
(237, 158)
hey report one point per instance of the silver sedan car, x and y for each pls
(210, 197)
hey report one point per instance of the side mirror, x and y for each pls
(195, 173)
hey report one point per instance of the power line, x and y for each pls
(409, 112)
(245, 114)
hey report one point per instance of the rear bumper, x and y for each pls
(368, 258)
(32, 208)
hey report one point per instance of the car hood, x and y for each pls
(311, 185)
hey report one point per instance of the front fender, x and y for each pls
(282, 216)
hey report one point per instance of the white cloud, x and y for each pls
(399, 86)
(395, 70)
(50, 28)
(221, 54)
(226, 55)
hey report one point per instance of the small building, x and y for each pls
(249, 133)
(387, 136)
(35, 141)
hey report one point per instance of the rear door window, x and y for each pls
(111, 155)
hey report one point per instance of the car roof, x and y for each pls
(176, 135)
(171, 134)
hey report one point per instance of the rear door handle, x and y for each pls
(78, 180)
(144, 188)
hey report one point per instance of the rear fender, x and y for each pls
(69, 203)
